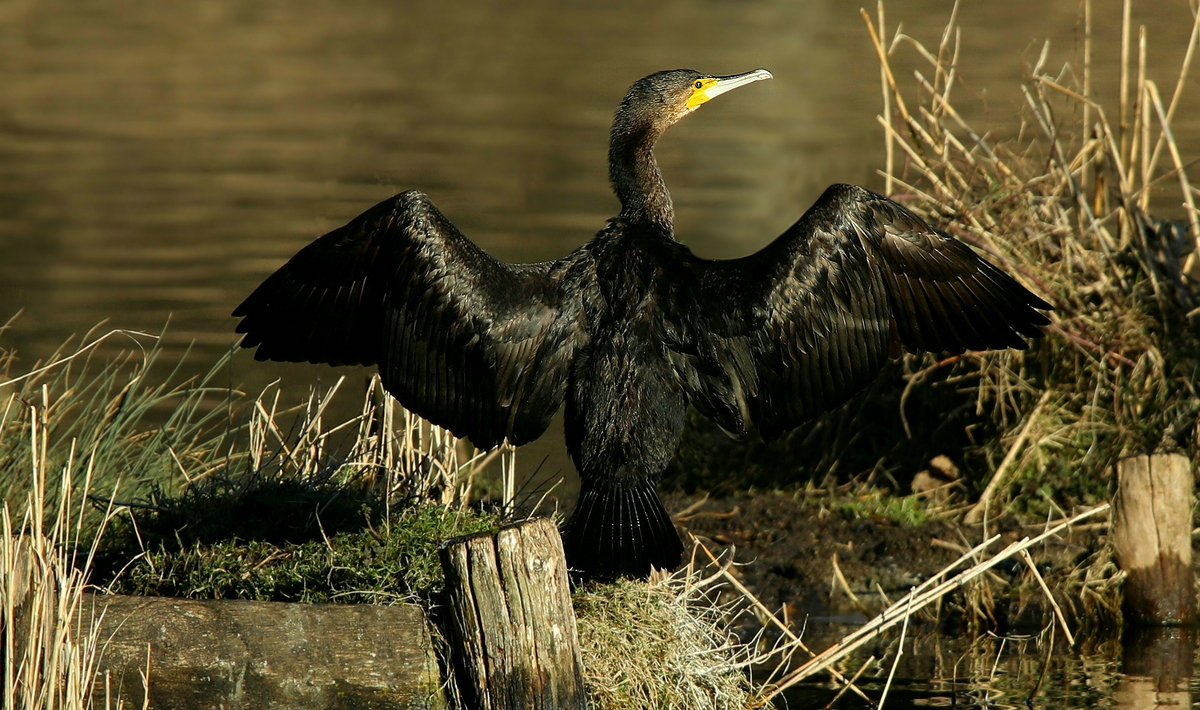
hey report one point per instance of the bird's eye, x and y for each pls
(699, 84)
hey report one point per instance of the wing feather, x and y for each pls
(823, 302)
(478, 346)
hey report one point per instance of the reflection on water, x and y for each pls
(1148, 668)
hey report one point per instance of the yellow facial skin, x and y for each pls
(700, 89)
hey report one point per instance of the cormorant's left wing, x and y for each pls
(478, 346)
(805, 323)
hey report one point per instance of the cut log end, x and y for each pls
(513, 635)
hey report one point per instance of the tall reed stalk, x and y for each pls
(49, 657)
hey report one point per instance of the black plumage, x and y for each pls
(632, 328)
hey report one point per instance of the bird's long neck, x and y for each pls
(634, 173)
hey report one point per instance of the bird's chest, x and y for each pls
(642, 291)
(639, 320)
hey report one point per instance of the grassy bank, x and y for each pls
(190, 490)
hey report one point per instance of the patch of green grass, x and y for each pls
(909, 510)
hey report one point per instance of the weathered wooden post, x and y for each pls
(514, 639)
(1152, 538)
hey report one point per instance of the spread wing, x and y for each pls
(809, 320)
(470, 343)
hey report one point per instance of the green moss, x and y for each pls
(908, 511)
(396, 562)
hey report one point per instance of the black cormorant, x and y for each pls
(631, 328)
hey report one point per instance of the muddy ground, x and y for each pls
(785, 548)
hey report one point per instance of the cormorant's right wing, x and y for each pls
(808, 321)
(480, 347)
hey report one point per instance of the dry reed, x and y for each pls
(661, 644)
(49, 659)
(1066, 210)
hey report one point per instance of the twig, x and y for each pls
(889, 146)
(1046, 590)
(1042, 676)
(1183, 72)
(747, 594)
(841, 580)
(1123, 126)
(1184, 183)
(686, 512)
(737, 510)
(80, 351)
(899, 652)
(851, 684)
(1087, 74)
(886, 67)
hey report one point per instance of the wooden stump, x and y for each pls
(514, 639)
(1152, 538)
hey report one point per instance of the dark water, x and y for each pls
(157, 160)
(1146, 669)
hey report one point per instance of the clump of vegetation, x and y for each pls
(306, 522)
(394, 563)
(48, 659)
(249, 500)
(907, 510)
(1067, 210)
(659, 645)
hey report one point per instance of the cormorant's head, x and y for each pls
(661, 99)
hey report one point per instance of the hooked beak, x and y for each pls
(729, 83)
(713, 87)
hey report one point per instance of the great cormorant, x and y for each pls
(631, 328)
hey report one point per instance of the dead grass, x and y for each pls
(49, 660)
(1065, 209)
(218, 496)
(660, 644)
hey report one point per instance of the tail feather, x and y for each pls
(619, 531)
